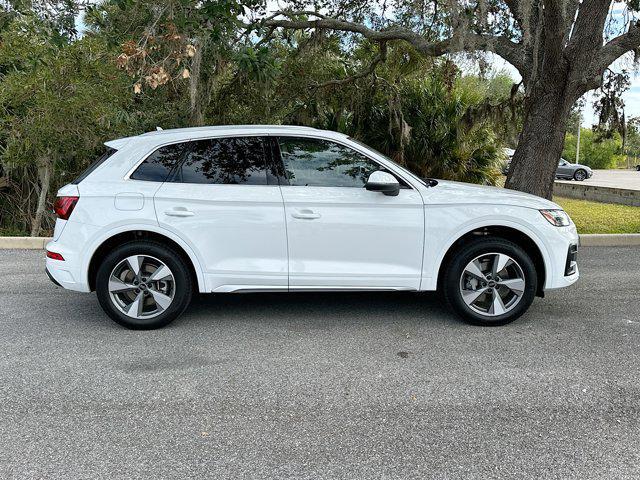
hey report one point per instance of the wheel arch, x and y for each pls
(118, 238)
(515, 235)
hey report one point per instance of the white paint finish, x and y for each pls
(462, 194)
(97, 205)
(240, 238)
(129, 201)
(238, 230)
(348, 237)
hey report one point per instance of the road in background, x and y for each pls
(313, 386)
(627, 179)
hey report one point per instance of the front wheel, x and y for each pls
(143, 285)
(490, 282)
(580, 175)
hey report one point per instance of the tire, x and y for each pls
(579, 175)
(159, 300)
(482, 252)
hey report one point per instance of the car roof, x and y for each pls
(181, 134)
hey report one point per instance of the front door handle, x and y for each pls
(179, 212)
(305, 214)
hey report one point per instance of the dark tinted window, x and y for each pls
(225, 161)
(107, 153)
(320, 163)
(158, 165)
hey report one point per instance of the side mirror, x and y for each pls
(383, 182)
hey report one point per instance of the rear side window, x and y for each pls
(101, 159)
(158, 165)
(321, 163)
(235, 161)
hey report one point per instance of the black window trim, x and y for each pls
(285, 180)
(108, 153)
(269, 159)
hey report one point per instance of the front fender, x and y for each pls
(442, 233)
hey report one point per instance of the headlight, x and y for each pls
(558, 218)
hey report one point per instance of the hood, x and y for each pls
(448, 193)
(579, 165)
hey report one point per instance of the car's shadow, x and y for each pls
(320, 307)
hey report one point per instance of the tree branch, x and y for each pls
(514, 8)
(381, 57)
(458, 42)
(617, 47)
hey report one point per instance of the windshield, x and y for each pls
(371, 149)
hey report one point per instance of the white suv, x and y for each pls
(276, 208)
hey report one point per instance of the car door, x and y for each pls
(340, 235)
(220, 200)
(564, 169)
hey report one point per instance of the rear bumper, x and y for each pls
(64, 273)
(55, 282)
(69, 273)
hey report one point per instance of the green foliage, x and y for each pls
(60, 101)
(595, 151)
(58, 104)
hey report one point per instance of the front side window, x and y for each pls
(239, 160)
(322, 163)
(158, 165)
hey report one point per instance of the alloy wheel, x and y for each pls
(492, 284)
(141, 286)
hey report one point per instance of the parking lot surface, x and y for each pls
(314, 386)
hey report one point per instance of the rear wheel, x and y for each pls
(143, 285)
(490, 281)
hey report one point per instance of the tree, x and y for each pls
(58, 101)
(560, 48)
(595, 151)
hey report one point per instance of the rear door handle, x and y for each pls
(305, 214)
(179, 212)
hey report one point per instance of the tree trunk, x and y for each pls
(195, 86)
(44, 175)
(535, 160)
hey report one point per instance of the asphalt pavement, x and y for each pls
(315, 386)
(628, 179)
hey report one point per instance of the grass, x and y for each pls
(596, 217)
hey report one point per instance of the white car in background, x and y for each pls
(276, 208)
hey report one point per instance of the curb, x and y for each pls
(588, 240)
(26, 243)
(610, 240)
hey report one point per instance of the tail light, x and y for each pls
(64, 206)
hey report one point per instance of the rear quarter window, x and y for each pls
(159, 165)
(99, 161)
